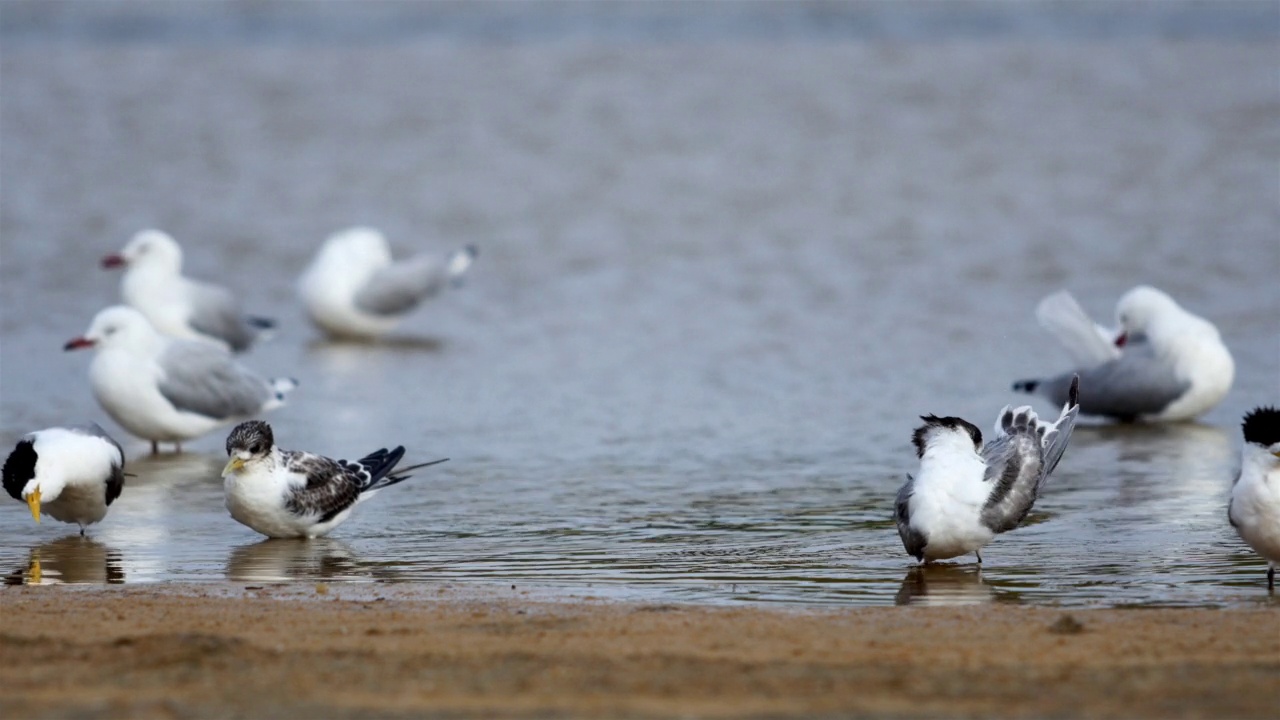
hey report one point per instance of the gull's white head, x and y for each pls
(116, 326)
(949, 434)
(248, 444)
(359, 245)
(150, 249)
(1142, 309)
(1262, 433)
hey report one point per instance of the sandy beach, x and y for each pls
(320, 651)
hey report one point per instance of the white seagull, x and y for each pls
(179, 306)
(353, 289)
(1165, 364)
(965, 492)
(290, 493)
(71, 473)
(1254, 509)
(167, 390)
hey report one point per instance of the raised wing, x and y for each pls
(204, 379)
(1015, 469)
(1088, 343)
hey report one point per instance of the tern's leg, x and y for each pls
(177, 447)
(81, 531)
(1271, 578)
(155, 448)
(979, 554)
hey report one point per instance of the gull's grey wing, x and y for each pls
(1135, 384)
(913, 540)
(215, 312)
(332, 485)
(1015, 470)
(399, 287)
(204, 379)
(1088, 343)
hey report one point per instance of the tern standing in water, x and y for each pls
(1254, 509)
(1164, 364)
(290, 493)
(72, 473)
(965, 492)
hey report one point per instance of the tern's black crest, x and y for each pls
(1262, 427)
(951, 423)
(254, 436)
(19, 468)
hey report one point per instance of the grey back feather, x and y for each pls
(1135, 384)
(399, 287)
(1015, 469)
(205, 380)
(217, 314)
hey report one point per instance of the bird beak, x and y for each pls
(78, 343)
(1122, 339)
(113, 261)
(234, 465)
(33, 502)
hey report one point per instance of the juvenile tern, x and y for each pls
(1165, 364)
(1254, 508)
(966, 492)
(178, 306)
(353, 289)
(291, 493)
(167, 390)
(70, 473)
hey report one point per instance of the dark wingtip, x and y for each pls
(472, 250)
(262, 323)
(1026, 386)
(1262, 426)
(1073, 395)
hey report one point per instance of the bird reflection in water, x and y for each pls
(944, 585)
(72, 559)
(290, 559)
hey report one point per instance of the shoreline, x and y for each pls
(309, 650)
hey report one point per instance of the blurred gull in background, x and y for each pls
(179, 306)
(1163, 364)
(168, 390)
(353, 289)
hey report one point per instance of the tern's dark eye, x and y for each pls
(255, 448)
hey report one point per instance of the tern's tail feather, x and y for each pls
(1057, 435)
(1088, 343)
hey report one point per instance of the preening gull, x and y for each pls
(1165, 364)
(290, 493)
(353, 289)
(167, 390)
(71, 473)
(965, 493)
(179, 306)
(1254, 508)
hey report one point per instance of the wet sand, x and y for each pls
(317, 651)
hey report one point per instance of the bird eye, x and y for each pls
(255, 448)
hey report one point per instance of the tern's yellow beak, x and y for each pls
(33, 502)
(234, 465)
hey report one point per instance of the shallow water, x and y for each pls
(722, 271)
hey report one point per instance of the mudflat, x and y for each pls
(317, 651)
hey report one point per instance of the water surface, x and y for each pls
(721, 274)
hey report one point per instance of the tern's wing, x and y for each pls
(204, 379)
(1088, 343)
(215, 312)
(327, 488)
(1015, 467)
(912, 539)
(399, 287)
(115, 482)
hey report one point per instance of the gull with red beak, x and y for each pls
(71, 473)
(179, 306)
(1163, 364)
(166, 390)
